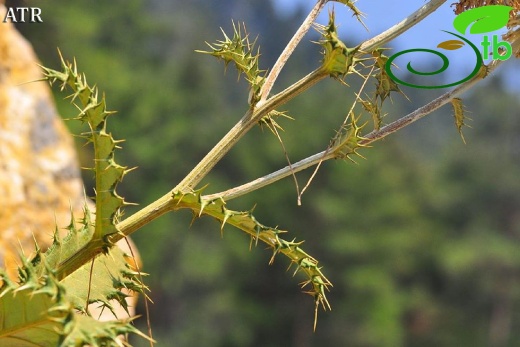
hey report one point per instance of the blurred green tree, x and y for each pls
(422, 252)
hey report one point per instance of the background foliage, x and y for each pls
(421, 240)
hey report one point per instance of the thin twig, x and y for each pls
(341, 127)
(289, 49)
(297, 186)
(89, 285)
(270, 178)
(400, 27)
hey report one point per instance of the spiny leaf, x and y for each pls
(355, 10)
(384, 87)
(78, 236)
(31, 318)
(348, 140)
(112, 277)
(108, 172)
(89, 239)
(93, 333)
(374, 109)
(338, 59)
(245, 221)
(111, 271)
(459, 113)
(37, 312)
(241, 51)
(385, 84)
(380, 58)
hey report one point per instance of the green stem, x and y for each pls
(251, 117)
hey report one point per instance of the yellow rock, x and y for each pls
(39, 173)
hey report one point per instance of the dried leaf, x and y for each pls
(451, 45)
(459, 114)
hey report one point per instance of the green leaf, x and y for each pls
(108, 172)
(111, 274)
(245, 221)
(241, 51)
(91, 332)
(78, 236)
(29, 318)
(385, 85)
(37, 313)
(348, 140)
(486, 19)
(338, 60)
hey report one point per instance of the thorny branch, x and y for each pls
(368, 139)
(254, 114)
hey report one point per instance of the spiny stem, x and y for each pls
(164, 204)
(143, 217)
(368, 139)
(251, 117)
(270, 178)
(289, 49)
(167, 202)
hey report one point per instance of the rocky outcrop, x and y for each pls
(39, 173)
(40, 180)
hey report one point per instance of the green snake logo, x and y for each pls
(484, 19)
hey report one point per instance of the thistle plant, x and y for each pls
(85, 267)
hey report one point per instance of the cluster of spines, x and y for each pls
(79, 233)
(111, 270)
(459, 114)
(348, 139)
(108, 173)
(270, 122)
(338, 60)
(242, 52)
(355, 11)
(383, 89)
(246, 221)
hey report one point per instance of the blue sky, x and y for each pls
(427, 34)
